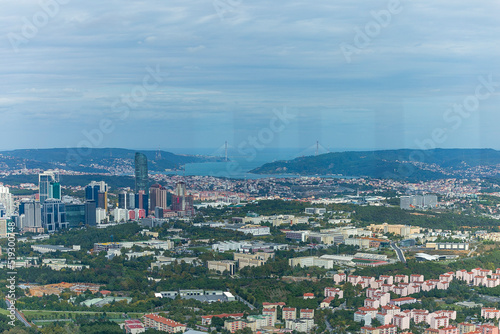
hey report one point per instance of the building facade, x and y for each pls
(54, 215)
(49, 186)
(141, 172)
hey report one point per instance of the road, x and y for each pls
(19, 315)
(328, 325)
(472, 251)
(399, 252)
(245, 302)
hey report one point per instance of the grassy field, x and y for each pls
(4, 311)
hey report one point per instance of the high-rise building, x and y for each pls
(179, 197)
(30, 214)
(157, 197)
(90, 213)
(49, 186)
(122, 199)
(182, 202)
(102, 200)
(98, 192)
(141, 173)
(159, 212)
(3, 228)
(100, 215)
(141, 200)
(131, 201)
(180, 189)
(6, 200)
(120, 215)
(54, 215)
(75, 215)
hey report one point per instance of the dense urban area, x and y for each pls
(156, 252)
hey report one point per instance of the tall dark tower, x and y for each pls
(141, 173)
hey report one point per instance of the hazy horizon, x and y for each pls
(381, 75)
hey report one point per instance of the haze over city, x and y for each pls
(249, 167)
(378, 76)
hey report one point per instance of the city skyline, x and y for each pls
(384, 75)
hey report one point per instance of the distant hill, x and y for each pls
(395, 164)
(99, 160)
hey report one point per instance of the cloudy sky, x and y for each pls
(195, 73)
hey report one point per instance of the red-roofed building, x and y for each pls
(390, 309)
(445, 330)
(133, 326)
(272, 312)
(273, 305)
(401, 320)
(339, 278)
(326, 302)
(289, 313)
(307, 313)
(490, 313)
(488, 329)
(332, 292)
(448, 330)
(308, 295)
(386, 329)
(437, 322)
(369, 330)
(163, 324)
(416, 278)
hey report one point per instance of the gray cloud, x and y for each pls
(261, 55)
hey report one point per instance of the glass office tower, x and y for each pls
(141, 173)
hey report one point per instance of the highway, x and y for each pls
(19, 315)
(399, 252)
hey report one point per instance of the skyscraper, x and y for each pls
(30, 214)
(122, 199)
(130, 201)
(75, 215)
(157, 197)
(141, 172)
(98, 192)
(141, 200)
(54, 215)
(6, 200)
(49, 186)
(182, 202)
(90, 213)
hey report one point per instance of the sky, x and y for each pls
(258, 74)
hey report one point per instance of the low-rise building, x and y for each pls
(252, 260)
(222, 266)
(163, 324)
(133, 326)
